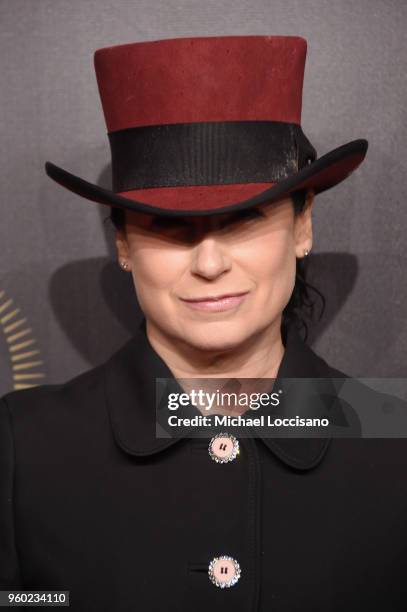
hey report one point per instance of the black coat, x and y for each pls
(92, 502)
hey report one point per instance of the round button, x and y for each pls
(224, 571)
(223, 448)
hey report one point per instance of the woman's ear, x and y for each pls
(122, 246)
(303, 227)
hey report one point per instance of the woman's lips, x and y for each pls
(217, 305)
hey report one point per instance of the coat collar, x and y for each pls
(129, 377)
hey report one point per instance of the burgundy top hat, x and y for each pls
(207, 125)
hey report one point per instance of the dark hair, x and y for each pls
(301, 306)
(117, 218)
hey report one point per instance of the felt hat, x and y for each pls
(207, 125)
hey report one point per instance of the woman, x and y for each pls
(213, 187)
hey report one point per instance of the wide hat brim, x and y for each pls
(320, 175)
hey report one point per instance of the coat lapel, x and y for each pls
(130, 375)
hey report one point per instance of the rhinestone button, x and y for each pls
(224, 571)
(223, 448)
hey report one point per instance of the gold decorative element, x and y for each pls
(22, 376)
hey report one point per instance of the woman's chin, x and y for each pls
(216, 337)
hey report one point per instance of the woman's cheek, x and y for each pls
(278, 274)
(156, 270)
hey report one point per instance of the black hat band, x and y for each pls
(207, 153)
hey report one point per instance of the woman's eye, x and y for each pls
(164, 224)
(255, 212)
(252, 213)
(168, 223)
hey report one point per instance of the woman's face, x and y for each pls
(252, 252)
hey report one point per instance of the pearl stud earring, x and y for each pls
(124, 265)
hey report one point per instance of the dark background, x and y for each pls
(65, 306)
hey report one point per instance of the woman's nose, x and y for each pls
(209, 259)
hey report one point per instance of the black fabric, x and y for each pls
(207, 153)
(93, 503)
